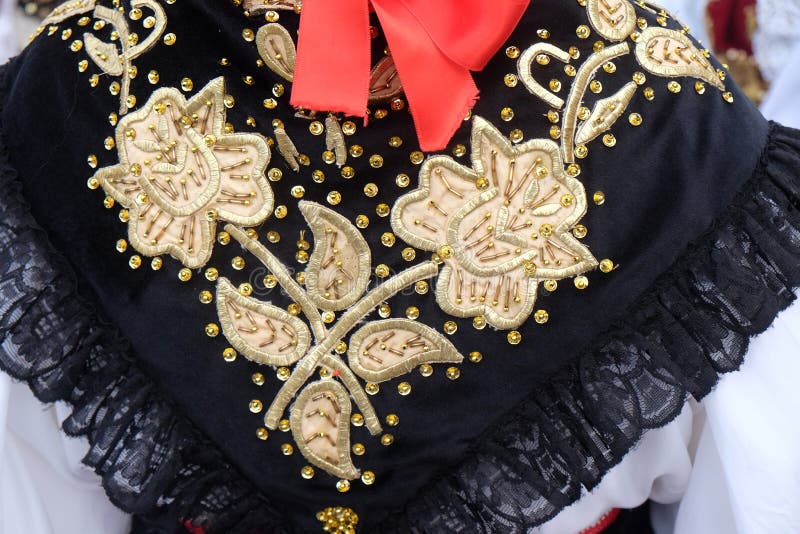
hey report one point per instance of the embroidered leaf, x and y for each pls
(105, 55)
(605, 113)
(383, 350)
(320, 422)
(147, 145)
(262, 332)
(339, 267)
(613, 19)
(276, 48)
(334, 140)
(666, 52)
(384, 83)
(287, 148)
(547, 209)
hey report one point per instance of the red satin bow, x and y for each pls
(434, 43)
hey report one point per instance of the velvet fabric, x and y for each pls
(665, 183)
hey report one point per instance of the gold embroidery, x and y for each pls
(67, 10)
(605, 114)
(107, 56)
(334, 140)
(178, 173)
(384, 83)
(524, 67)
(320, 422)
(383, 350)
(261, 332)
(613, 19)
(666, 52)
(276, 48)
(499, 227)
(338, 271)
(338, 247)
(339, 520)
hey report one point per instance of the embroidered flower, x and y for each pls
(178, 173)
(500, 227)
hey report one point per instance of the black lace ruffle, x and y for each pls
(675, 341)
(153, 463)
(692, 326)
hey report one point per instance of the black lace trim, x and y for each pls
(694, 325)
(152, 461)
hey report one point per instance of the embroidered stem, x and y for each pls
(349, 379)
(284, 279)
(305, 367)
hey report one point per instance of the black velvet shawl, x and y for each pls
(700, 214)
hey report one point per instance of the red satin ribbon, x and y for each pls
(434, 43)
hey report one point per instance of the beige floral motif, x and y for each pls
(500, 227)
(178, 173)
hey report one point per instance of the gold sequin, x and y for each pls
(514, 337)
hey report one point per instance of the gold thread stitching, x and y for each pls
(605, 20)
(524, 68)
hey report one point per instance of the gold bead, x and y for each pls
(728, 97)
(124, 215)
(349, 127)
(122, 245)
(606, 266)
(516, 135)
(370, 190)
(212, 330)
(639, 78)
(397, 104)
(581, 151)
(546, 230)
(262, 433)
(409, 254)
(529, 267)
(543, 59)
(387, 239)
(580, 231)
(581, 282)
(599, 198)
(229, 354)
(357, 419)
(417, 157)
(649, 93)
(392, 419)
(583, 31)
(246, 289)
(479, 322)
(91, 160)
(550, 285)
(371, 388)
(596, 86)
(184, 275)
(482, 183)
(295, 309)
(514, 337)
(700, 88)
(635, 119)
(238, 263)
(283, 373)
(343, 486)
(307, 472)
(359, 449)
(258, 379)
(573, 169)
(510, 80)
(425, 370)
(108, 202)
(212, 274)
(412, 312)
(543, 34)
(187, 84)
(298, 191)
(248, 35)
(450, 327)
(453, 373)
(609, 140)
(570, 71)
(674, 87)
(316, 128)
(384, 310)
(334, 197)
(287, 449)
(402, 180)
(347, 172)
(387, 439)
(376, 161)
(541, 316)
(284, 425)
(395, 141)
(404, 388)
(108, 143)
(610, 68)
(475, 357)
(421, 287)
(156, 263)
(512, 52)
(368, 478)
(382, 270)
(555, 86)
(382, 210)
(169, 39)
(506, 114)
(83, 65)
(256, 406)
